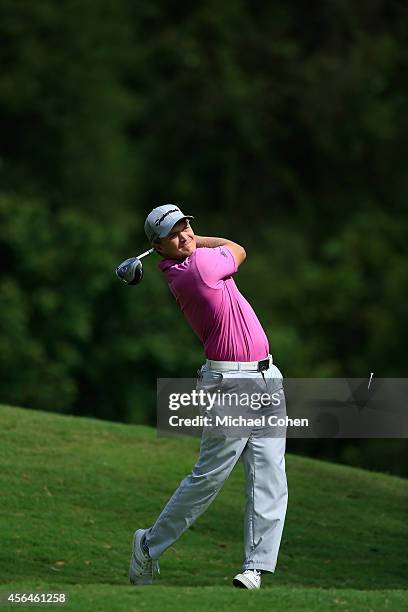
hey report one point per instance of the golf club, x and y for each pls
(130, 271)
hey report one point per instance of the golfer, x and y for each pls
(199, 272)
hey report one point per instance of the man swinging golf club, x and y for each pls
(199, 273)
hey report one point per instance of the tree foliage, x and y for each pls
(279, 124)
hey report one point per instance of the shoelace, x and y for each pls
(154, 563)
(145, 550)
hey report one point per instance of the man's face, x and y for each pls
(180, 243)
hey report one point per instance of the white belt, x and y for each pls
(238, 365)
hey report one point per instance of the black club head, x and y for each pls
(130, 271)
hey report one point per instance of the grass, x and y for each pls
(72, 491)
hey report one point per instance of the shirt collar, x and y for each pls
(167, 263)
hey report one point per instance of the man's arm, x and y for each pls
(210, 242)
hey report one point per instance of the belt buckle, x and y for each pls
(263, 365)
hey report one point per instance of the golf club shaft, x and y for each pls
(145, 253)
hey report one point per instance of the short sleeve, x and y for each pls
(215, 264)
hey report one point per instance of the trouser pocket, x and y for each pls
(209, 383)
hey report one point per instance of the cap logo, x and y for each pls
(158, 221)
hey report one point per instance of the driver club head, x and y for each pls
(130, 271)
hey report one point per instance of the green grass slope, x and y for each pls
(72, 491)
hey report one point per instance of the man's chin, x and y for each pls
(190, 250)
(186, 252)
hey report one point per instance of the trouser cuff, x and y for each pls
(265, 567)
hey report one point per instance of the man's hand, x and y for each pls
(210, 242)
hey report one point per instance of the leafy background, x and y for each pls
(281, 125)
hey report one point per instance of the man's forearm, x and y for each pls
(237, 250)
(210, 242)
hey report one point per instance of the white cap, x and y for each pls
(161, 221)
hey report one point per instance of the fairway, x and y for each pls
(74, 489)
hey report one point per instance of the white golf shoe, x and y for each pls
(249, 579)
(142, 568)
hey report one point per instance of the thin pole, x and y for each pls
(145, 253)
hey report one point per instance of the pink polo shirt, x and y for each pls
(218, 313)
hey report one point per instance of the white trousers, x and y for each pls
(266, 485)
